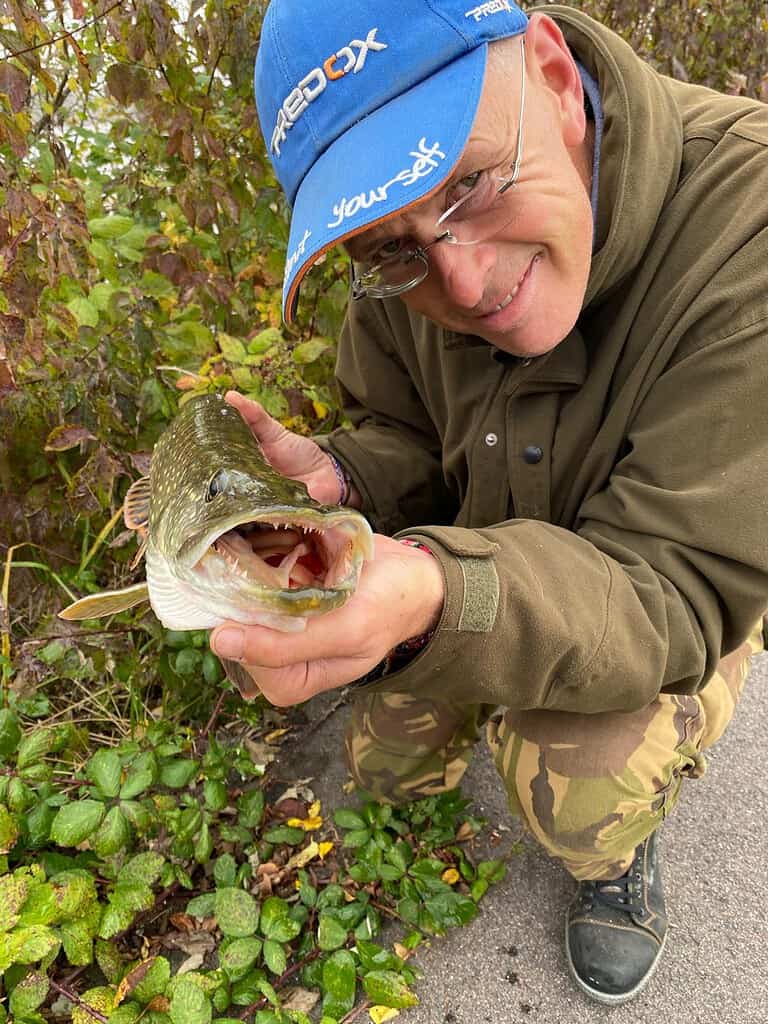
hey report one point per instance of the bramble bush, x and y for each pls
(142, 243)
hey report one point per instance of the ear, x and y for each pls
(551, 63)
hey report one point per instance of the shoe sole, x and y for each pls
(606, 997)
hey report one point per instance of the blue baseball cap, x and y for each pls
(366, 107)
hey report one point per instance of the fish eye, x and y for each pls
(219, 483)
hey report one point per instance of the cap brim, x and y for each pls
(391, 159)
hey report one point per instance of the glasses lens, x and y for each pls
(482, 214)
(390, 278)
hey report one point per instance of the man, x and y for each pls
(554, 356)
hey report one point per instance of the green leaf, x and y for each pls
(110, 227)
(30, 993)
(202, 906)
(238, 957)
(77, 942)
(154, 981)
(76, 821)
(155, 285)
(109, 960)
(276, 922)
(190, 1005)
(10, 733)
(14, 890)
(232, 349)
(9, 830)
(74, 890)
(250, 808)
(41, 906)
(215, 794)
(104, 771)
(356, 838)
(274, 956)
(345, 818)
(143, 869)
(237, 912)
(187, 661)
(330, 933)
(139, 777)
(34, 747)
(113, 835)
(101, 999)
(178, 773)
(86, 314)
(339, 984)
(265, 340)
(285, 834)
(34, 943)
(309, 351)
(386, 988)
(225, 870)
(492, 871)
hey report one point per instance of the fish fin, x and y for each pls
(241, 678)
(106, 603)
(136, 505)
(140, 551)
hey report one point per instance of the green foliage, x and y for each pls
(77, 886)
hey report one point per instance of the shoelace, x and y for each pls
(618, 894)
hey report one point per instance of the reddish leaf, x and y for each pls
(132, 979)
(67, 436)
(78, 8)
(14, 83)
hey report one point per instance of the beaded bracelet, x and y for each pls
(345, 481)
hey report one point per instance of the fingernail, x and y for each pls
(228, 643)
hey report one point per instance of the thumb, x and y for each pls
(266, 429)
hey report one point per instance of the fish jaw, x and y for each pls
(225, 584)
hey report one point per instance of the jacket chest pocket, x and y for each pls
(510, 463)
(530, 426)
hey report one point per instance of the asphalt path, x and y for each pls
(509, 964)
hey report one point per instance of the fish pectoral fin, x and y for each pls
(107, 603)
(136, 505)
(241, 678)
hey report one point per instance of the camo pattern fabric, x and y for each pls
(589, 787)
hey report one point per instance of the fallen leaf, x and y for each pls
(132, 979)
(380, 1014)
(67, 436)
(450, 876)
(300, 999)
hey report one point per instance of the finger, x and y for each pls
(266, 429)
(332, 637)
(295, 684)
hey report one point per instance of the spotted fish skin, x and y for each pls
(208, 476)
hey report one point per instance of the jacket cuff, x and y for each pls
(470, 610)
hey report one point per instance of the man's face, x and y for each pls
(522, 289)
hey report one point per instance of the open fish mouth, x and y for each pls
(289, 555)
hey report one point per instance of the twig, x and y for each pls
(355, 1012)
(58, 39)
(214, 715)
(74, 998)
(280, 983)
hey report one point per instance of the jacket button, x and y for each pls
(533, 454)
(491, 440)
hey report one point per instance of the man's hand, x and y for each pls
(291, 454)
(400, 595)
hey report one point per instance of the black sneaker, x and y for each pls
(615, 931)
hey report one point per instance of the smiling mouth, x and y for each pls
(511, 295)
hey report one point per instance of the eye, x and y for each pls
(388, 250)
(219, 484)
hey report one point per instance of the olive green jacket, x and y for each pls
(601, 512)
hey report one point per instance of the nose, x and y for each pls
(462, 271)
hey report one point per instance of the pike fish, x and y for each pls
(225, 536)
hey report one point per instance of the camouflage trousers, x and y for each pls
(589, 787)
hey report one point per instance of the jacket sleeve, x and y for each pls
(665, 573)
(394, 453)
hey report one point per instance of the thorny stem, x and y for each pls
(74, 998)
(280, 983)
(214, 715)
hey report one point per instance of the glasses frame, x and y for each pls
(418, 256)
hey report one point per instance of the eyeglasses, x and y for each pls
(481, 211)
